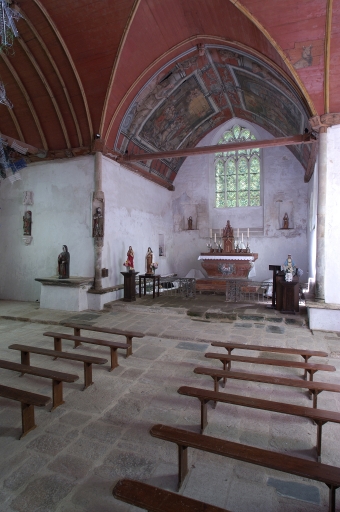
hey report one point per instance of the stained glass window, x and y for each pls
(237, 173)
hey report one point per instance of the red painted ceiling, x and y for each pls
(78, 65)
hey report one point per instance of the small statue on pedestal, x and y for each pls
(228, 236)
(98, 223)
(285, 221)
(190, 223)
(130, 257)
(64, 263)
(27, 218)
(149, 258)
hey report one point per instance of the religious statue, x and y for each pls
(98, 223)
(285, 221)
(130, 257)
(190, 223)
(64, 263)
(228, 231)
(27, 218)
(149, 258)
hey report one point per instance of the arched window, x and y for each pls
(238, 173)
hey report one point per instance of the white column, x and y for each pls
(98, 242)
(321, 217)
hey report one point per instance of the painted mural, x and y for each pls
(203, 89)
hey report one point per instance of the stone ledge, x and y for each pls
(106, 290)
(75, 282)
(322, 305)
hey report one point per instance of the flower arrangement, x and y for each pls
(126, 264)
(154, 265)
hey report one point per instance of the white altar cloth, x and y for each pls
(221, 257)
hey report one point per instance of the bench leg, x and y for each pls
(182, 464)
(114, 359)
(319, 438)
(25, 358)
(204, 415)
(129, 342)
(229, 354)
(332, 489)
(27, 418)
(58, 345)
(87, 375)
(224, 368)
(315, 398)
(76, 333)
(57, 391)
(306, 361)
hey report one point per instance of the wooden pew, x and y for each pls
(108, 330)
(310, 368)
(88, 361)
(154, 499)
(314, 388)
(330, 475)
(113, 345)
(28, 401)
(57, 378)
(319, 416)
(306, 354)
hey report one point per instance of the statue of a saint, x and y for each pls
(149, 258)
(285, 221)
(130, 257)
(64, 263)
(27, 218)
(228, 231)
(190, 223)
(98, 223)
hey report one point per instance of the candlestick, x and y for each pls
(238, 232)
(215, 238)
(210, 233)
(242, 237)
(248, 233)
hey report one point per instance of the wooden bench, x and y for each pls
(88, 361)
(28, 401)
(330, 475)
(108, 330)
(57, 378)
(310, 368)
(306, 354)
(319, 416)
(314, 388)
(113, 345)
(154, 499)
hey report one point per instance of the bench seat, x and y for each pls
(57, 378)
(108, 330)
(26, 350)
(314, 387)
(310, 368)
(154, 499)
(330, 475)
(113, 345)
(28, 401)
(319, 416)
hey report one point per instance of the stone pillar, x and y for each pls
(98, 199)
(321, 213)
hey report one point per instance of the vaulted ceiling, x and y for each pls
(129, 76)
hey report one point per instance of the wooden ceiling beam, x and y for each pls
(178, 153)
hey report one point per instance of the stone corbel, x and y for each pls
(324, 121)
(27, 239)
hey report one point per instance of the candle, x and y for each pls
(210, 233)
(248, 233)
(215, 238)
(238, 232)
(242, 237)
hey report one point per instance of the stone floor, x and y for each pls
(72, 460)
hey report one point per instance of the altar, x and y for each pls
(228, 265)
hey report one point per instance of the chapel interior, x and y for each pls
(169, 171)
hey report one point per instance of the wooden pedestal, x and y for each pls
(287, 295)
(129, 286)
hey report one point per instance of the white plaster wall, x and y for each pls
(136, 212)
(332, 228)
(61, 216)
(283, 188)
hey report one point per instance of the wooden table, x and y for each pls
(154, 279)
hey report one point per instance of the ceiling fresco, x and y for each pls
(186, 99)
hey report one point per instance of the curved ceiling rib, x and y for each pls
(64, 46)
(16, 124)
(56, 69)
(28, 99)
(48, 88)
(116, 62)
(278, 48)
